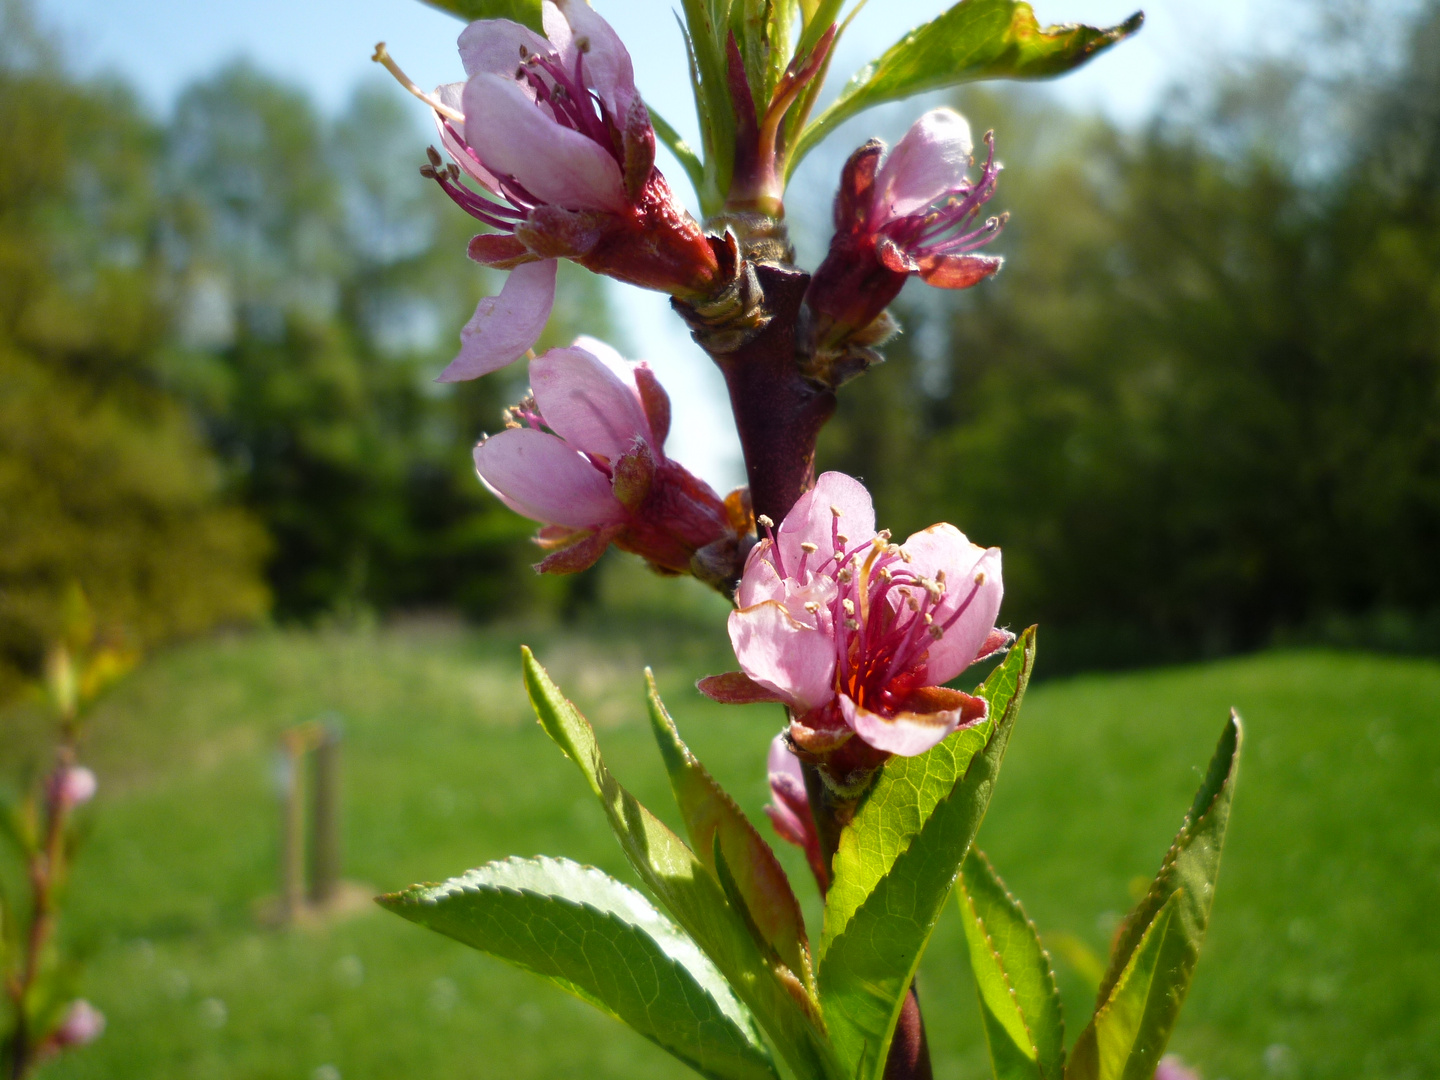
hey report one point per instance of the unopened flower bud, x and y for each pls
(83, 1024)
(75, 785)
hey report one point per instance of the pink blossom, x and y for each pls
(83, 1024)
(75, 785)
(553, 148)
(789, 809)
(856, 634)
(1171, 1067)
(584, 455)
(911, 212)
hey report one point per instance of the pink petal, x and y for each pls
(504, 327)
(759, 582)
(538, 475)
(781, 654)
(929, 720)
(495, 46)
(515, 137)
(451, 94)
(607, 66)
(929, 163)
(779, 761)
(812, 520)
(945, 548)
(587, 402)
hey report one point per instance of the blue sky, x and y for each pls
(324, 45)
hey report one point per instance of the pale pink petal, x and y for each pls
(905, 733)
(451, 95)
(794, 660)
(759, 581)
(812, 520)
(538, 475)
(973, 581)
(558, 165)
(495, 46)
(504, 327)
(779, 761)
(929, 162)
(586, 403)
(607, 66)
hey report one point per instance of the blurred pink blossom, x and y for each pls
(1172, 1068)
(83, 1024)
(75, 785)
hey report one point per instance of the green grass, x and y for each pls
(1323, 958)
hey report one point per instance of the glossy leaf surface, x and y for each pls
(1019, 1001)
(1154, 957)
(895, 867)
(975, 39)
(605, 943)
(671, 871)
(711, 818)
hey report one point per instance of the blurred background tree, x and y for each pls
(1200, 408)
(217, 336)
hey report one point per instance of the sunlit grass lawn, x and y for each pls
(1323, 959)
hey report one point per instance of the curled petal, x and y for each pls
(588, 403)
(973, 591)
(737, 688)
(496, 46)
(957, 271)
(452, 96)
(556, 164)
(784, 655)
(538, 475)
(504, 327)
(927, 716)
(926, 165)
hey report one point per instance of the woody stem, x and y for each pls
(778, 412)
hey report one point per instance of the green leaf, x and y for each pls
(704, 41)
(975, 39)
(693, 897)
(895, 867)
(526, 12)
(689, 160)
(1019, 1001)
(603, 942)
(1155, 953)
(712, 818)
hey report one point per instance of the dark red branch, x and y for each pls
(778, 412)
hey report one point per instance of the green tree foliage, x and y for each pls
(1201, 405)
(104, 480)
(323, 284)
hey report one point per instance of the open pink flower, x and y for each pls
(856, 634)
(911, 212)
(584, 455)
(559, 155)
(789, 810)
